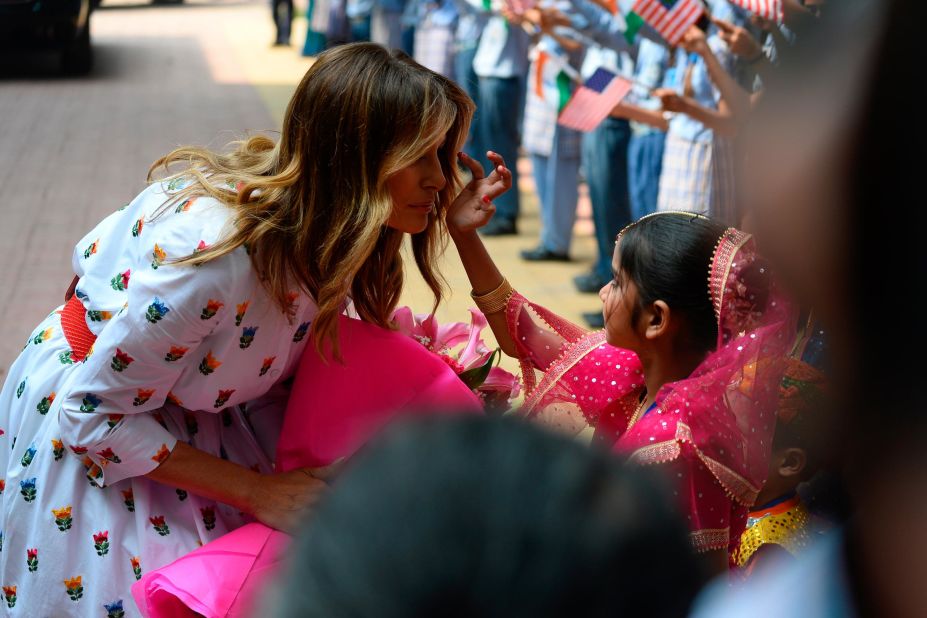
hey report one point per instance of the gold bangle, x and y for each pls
(495, 301)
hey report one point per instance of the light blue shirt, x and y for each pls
(358, 9)
(473, 18)
(503, 50)
(703, 89)
(651, 70)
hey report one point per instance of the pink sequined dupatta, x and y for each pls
(718, 423)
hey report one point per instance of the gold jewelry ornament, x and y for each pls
(495, 301)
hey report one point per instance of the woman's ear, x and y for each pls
(657, 319)
(793, 462)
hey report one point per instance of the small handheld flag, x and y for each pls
(594, 100)
(671, 18)
(767, 9)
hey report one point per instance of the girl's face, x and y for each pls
(414, 191)
(619, 297)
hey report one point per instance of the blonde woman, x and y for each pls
(126, 424)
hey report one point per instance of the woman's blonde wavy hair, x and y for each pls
(312, 208)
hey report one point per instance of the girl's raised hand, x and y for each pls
(473, 208)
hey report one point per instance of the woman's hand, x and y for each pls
(473, 208)
(282, 501)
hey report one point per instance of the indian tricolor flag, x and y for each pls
(553, 80)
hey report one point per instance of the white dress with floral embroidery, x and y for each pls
(182, 353)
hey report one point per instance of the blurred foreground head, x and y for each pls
(836, 183)
(481, 517)
(835, 180)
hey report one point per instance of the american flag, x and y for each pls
(671, 18)
(592, 102)
(767, 9)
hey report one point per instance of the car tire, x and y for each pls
(77, 58)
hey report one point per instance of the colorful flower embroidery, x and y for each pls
(107, 454)
(158, 255)
(92, 249)
(136, 562)
(128, 499)
(79, 450)
(2, 487)
(114, 609)
(174, 399)
(223, 398)
(159, 525)
(189, 419)
(247, 336)
(9, 593)
(291, 305)
(66, 358)
(94, 472)
(184, 206)
(27, 489)
(44, 405)
(209, 517)
(301, 332)
(21, 388)
(120, 361)
(121, 281)
(176, 353)
(240, 311)
(28, 456)
(99, 316)
(267, 364)
(142, 396)
(57, 449)
(181, 495)
(137, 227)
(175, 183)
(74, 588)
(101, 542)
(44, 336)
(113, 419)
(162, 454)
(90, 403)
(63, 518)
(211, 308)
(209, 364)
(156, 310)
(202, 246)
(32, 559)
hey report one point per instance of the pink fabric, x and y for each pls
(333, 410)
(720, 419)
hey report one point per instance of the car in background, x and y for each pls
(49, 25)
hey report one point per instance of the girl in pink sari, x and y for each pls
(685, 374)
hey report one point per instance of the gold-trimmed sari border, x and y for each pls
(735, 486)
(571, 354)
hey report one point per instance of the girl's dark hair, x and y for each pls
(471, 516)
(668, 257)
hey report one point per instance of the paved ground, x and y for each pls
(73, 150)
